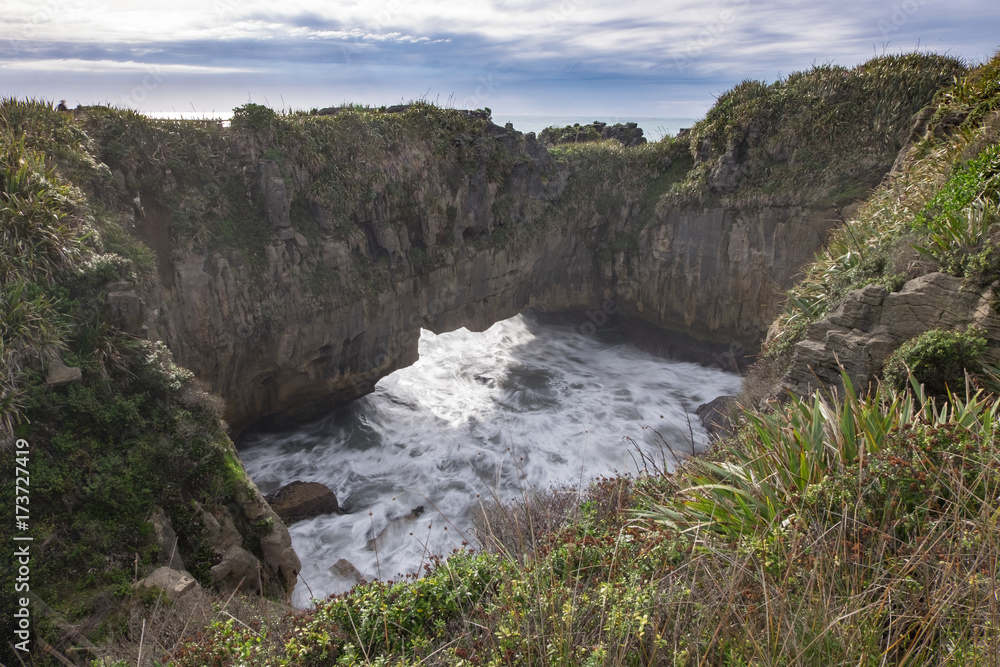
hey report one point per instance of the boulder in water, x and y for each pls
(714, 416)
(372, 541)
(345, 568)
(302, 500)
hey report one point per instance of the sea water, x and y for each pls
(530, 403)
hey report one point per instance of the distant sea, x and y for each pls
(654, 128)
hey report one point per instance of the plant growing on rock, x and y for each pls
(937, 359)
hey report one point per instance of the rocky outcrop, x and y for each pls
(127, 308)
(715, 416)
(59, 374)
(872, 322)
(166, 539)
(258, 556)
(302, 500)
(174, 584)
(322, 316)
(187, 602)
(627, 134)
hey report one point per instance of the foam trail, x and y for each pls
(479, 415)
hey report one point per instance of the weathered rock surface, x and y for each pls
(302, 500)
(872, 322)
(714, 415)
(128, 310)
(238, 567)
(59, 374)
(175, 584)
(272, 186)
(189, 603)
(166, 538)
(327, 316)
(715, 273)
(280, 562)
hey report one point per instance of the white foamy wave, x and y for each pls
(479, 415)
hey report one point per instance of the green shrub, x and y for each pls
(937, 359)
(253, 117)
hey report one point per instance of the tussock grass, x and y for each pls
(819, 137)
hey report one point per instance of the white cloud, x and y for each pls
(452, 44)
(100, 66)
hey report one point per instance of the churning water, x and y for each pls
(525, 404)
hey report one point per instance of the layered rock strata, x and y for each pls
(328, 314)
(872, 322)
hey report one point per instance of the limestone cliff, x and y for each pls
(327, 314)
(298, 256)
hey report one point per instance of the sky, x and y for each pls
(644, 58)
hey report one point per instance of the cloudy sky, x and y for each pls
(665, 58)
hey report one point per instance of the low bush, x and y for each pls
(937, 359)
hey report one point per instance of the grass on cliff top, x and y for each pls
(617, 188)
(819, 137)
(833, 531)
(938, 211)
(346, 175)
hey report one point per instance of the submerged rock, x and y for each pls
(714, 416)
(373, 538)
(345, 568)
(302, 500)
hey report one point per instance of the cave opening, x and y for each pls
(535, 402)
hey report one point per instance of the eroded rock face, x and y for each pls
(166, 539)
(302, 500)
(872, 322)
(718, 274)
(276, 571)
(330, 315)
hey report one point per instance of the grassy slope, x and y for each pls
(935, 212)
(837, 530)
(133, 435)
(821, 137)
